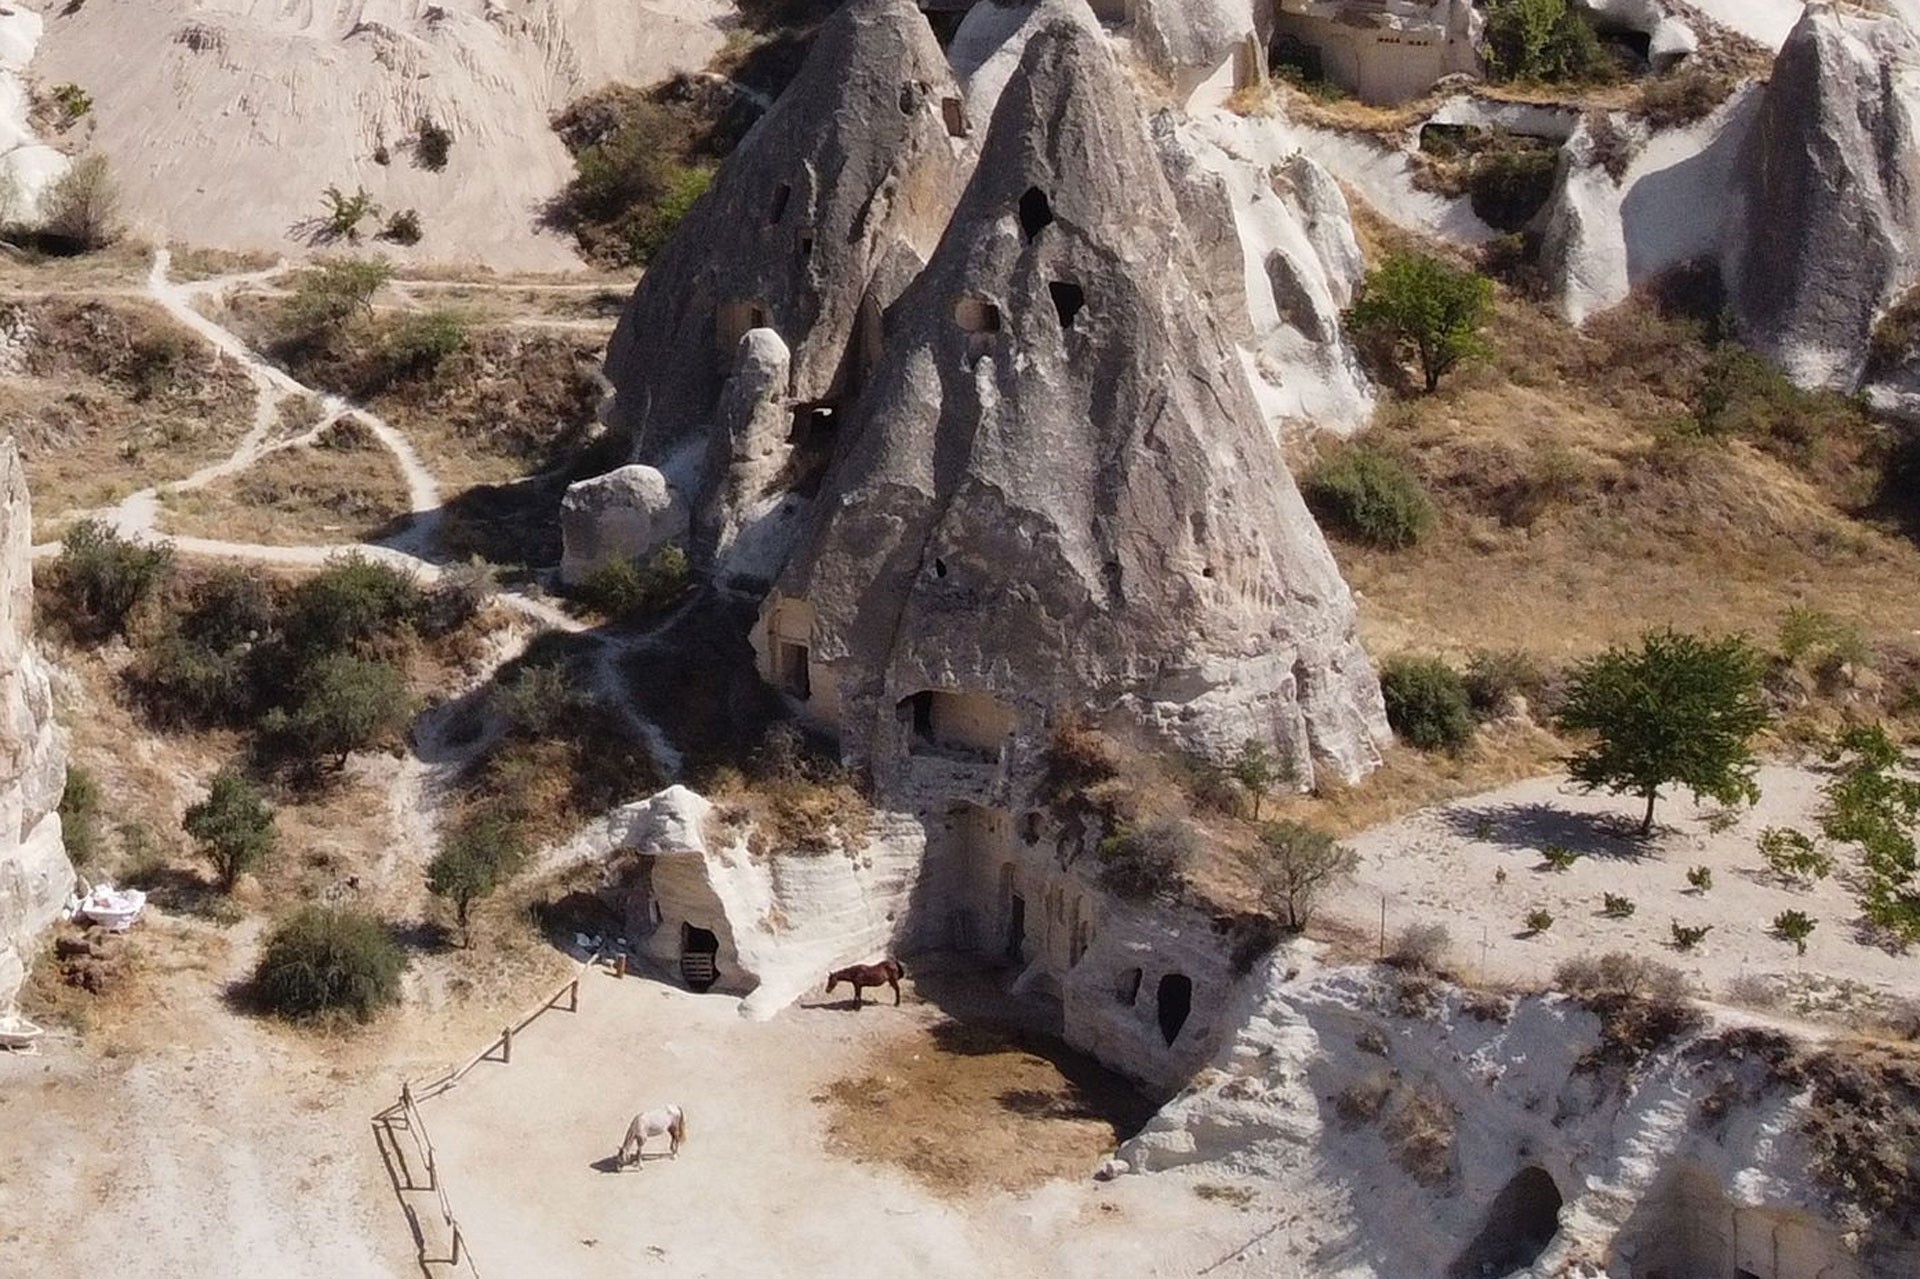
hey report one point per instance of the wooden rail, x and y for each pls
(404, 1116)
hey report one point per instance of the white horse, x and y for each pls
(668, 1121)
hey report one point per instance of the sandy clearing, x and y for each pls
(1440, 865)
(753, 1191)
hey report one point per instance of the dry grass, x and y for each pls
(969, 1110)
(199, 262)
(115, 397)
(1420, 1132)
(303, 495)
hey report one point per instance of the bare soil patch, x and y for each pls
(306, 494)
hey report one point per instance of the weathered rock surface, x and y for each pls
(1830, 189)
(820, 215)
(35, 876)
(626, 514)
(1186, 40)
(1669, 37)
(1058, 490)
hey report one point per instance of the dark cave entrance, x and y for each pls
(1175, 1004)
(1520, 1223)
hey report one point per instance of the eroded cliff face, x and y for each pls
(35, 876)
(1057, 490)
(1424, 1129)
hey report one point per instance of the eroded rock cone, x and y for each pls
(1831, 215)
(815, 223)
(1058, 490)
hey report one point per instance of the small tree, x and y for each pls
(345, 703)
(1872, 801)
(102, 577)
(82, 208)
(334, 292)
(1412, 301)
(1257, 768)
(1678, 710)
(1141, 863)
(234, 827)
(483, 852)
(353, 600)
(1302, 861)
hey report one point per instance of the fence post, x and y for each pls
(573, 996)
(1383, 925)
(456, 1243)
(433, 1173)
(506, 1045)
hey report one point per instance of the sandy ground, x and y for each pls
(1442, 865)
(525, 1150)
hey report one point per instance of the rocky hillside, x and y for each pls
(35, 877)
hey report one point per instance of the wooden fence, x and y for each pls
(404, 1117)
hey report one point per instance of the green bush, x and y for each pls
(80, 212)
(1427, 703)
(1558, 857)
(344, 213)
(1688, 936)
(332, 293)
(350, 602)
(1370, 497)
(635, 176)
(1494, 679)
(483, 852)
(74, 103)
(101, 577)
(537, 701)
(1508, 187)
(1616, 905)
(1794, 926)
(626, 591)
(80, 815)
(321, 963)
(1546, 40)
(1700, 879)
(1538, 920)
(1142, 863)
(234, 827)
(402, 227)
(1793, 856)
(344, 703)
(1872, 800)
(414, 345)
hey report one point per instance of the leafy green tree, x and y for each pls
(1301, 862)
(1677, 710)
(332, 293)
(1259, 770)
(344, 703)
(1419, 303)
(483, 852)
(82, 207)
(1543, 40)
(1873, 801)
(234, 827)
(353, 600)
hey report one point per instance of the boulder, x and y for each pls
(35, 875)
(1669, 37)
(1829, 221)
(1058, 490)
(627, 514)
(852, 171)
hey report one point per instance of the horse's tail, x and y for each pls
(894, 969)
(679, 1129)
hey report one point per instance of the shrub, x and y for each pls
(537, 701)
(343, 704)
(1508, 187)
(332, 293)
(1546, 40)
(1793, 856)
(626, 591)
(633, 176)
(353, 600)
(233, 826)
(457, 598)
(1370, 497)
(322, 962)
(415, 345)
(1301, 862)
(1420, 948)
(1427, 703)
(1558, 857)
(1412, 302)
(1538, 920)
(402, 227)
(74, 103)
(1421, 1136)
(1700, 878)
(1682, 97)
(1494, 679)
(1872, 800)
(1642, 1004)
(1259, 770)
(1142, 863)
(431, 143)
(1687, 936)
(483, 852)
(1616, 906)
(1079, 756)
(1679, 709)
(344, 213)
(101, 577)
(81, 210)
(80, 815)
(1794, 926)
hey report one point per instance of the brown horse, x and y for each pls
(887, 972)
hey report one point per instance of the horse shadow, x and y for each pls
(612, 1164)
(846, 1005)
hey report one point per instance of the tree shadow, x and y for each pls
(1531, 827)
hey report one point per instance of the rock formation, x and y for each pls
(1187, 40)
(626, 514)
(818, 219)
(1057, 491)
(35, 877)
(1830, 185)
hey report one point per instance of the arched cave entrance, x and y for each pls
(1036, 212)
(1520, 1223)
(1175, 1003)
(699, 952)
